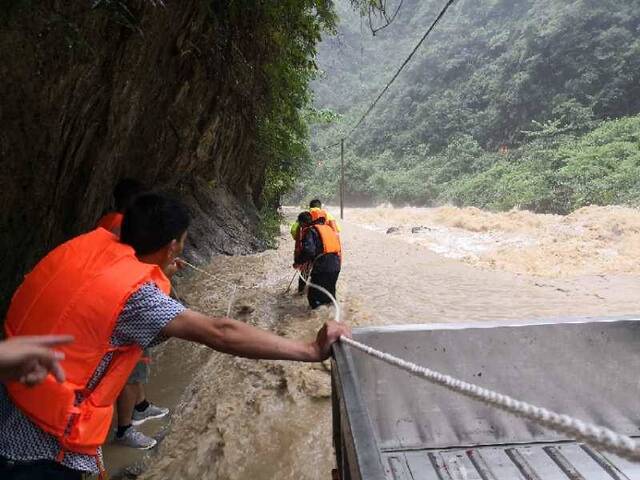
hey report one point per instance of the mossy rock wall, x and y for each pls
(166, 94)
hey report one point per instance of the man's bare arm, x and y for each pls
(237, 338)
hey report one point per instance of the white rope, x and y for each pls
(594, 435)
(327, 293)
(232, 284)
(233, 295)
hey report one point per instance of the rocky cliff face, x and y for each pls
(166, 94)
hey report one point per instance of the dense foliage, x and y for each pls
(291, 31)
(283, 36)
(540, 80)
(557, 172)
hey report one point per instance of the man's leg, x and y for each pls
(140, 394)
(132, 394)
(328, 281)
(332, 280)
(304, 273)
(315, 296)
(313, 293)
(143, 409)
(127, 403)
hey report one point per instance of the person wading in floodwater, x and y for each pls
(316, 211)
(111, 295)
(318, 251)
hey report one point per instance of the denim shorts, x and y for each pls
(140, 373)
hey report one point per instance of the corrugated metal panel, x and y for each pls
(559, 461)
(565, 367)
(388, 426)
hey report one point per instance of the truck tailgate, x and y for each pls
(391, 425)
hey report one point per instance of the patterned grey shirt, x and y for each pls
(146, 313)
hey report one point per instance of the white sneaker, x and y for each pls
(149, 413)
(135, 439)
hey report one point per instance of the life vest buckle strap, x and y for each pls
(102, 472)
(60, 456)
(75, 410)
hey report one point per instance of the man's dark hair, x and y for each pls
(151, 221)
(125, 191)
(304, 218)
(315, 203)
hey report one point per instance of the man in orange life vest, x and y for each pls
(319, 248)
(112, 295)
(316, 211)
(133, 408)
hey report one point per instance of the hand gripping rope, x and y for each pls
(594, 435)
(591, 434)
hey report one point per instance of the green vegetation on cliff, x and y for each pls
(291, 29)
(205, 100)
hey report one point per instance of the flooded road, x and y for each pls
(592, 240)
(406, 282)
(238, 419)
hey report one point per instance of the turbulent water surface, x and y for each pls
(238, 419)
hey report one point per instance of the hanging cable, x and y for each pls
(395, 76)
(404, 64)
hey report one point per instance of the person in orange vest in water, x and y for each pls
(317, 212)
(132, 404)
(319, 249)
(111, 295)
(124, 192)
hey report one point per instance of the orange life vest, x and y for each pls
(330, 239)
(317, 213)
(79, 288)
(111, 221)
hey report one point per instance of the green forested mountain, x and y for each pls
(543, 81)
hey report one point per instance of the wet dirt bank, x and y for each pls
(242, 419)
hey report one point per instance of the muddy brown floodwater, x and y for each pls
(242, 419)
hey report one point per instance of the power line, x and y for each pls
(375, 102)
(327, 146)
(404, 64)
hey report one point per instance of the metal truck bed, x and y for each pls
(389, 425)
